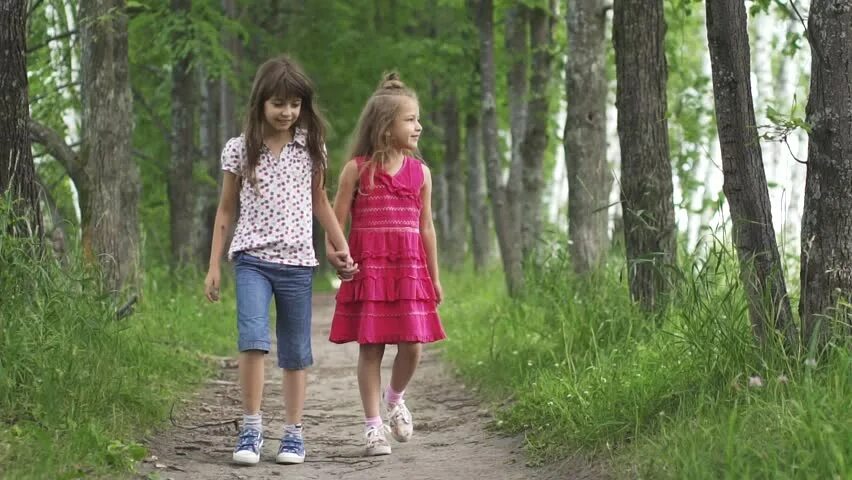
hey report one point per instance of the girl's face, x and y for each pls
(405, 130)
(281, 114)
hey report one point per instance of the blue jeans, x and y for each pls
(257, 281)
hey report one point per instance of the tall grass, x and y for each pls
(687, 395)
(79, 387)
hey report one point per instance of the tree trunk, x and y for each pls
(589, 178)
(535, 140)
(17, 172)
(454, 174)
(477, 208)
(646, 172)
(210, 144)
(508, 233)
(745, 185)
(229, 124)
(181, 189)
(827, 217)
(440, 211)
(109, 197)
(517, 48)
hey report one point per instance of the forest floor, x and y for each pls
(451, 439)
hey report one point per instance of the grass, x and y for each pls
(78, 388)
(686, 396)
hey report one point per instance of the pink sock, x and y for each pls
(372, 422)
(392, 396)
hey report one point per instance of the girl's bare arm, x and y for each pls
(223, 227)
(326, 216)
(345, 193)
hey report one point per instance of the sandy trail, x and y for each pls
(450, 439)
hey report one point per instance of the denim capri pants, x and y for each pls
(256, 283)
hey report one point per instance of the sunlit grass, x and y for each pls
(79, 388)
(579, 368)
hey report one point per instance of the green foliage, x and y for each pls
(78, 387)
(695, 398)
(692, 121)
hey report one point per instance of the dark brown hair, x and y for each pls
(282, 77)
(377, 117)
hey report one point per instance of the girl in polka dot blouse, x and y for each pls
(272, 186)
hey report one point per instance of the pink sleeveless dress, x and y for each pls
(391, 299)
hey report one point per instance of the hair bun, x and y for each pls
(391, 81)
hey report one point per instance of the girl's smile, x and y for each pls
(282, 114)
(406, 128)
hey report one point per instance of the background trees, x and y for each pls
(127, 152)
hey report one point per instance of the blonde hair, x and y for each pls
(370, 139)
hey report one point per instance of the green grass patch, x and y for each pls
(78, 387)
(685, 395)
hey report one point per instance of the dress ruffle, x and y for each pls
(386, 289)
(392, 298)
(383, 322)
(390, 245)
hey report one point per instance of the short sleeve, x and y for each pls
(233, 155)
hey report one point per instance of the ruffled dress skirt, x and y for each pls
(391, 299)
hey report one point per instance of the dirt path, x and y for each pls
(450, 440)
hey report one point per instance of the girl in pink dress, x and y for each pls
(392, 299)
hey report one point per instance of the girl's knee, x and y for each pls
(372, 352)
(412, 349)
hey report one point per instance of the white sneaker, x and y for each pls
(401, 424)
(377, 444)
(247, 451)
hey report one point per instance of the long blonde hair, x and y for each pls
(369, 139)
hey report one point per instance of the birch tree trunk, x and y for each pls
(209, 145)
(589, 178)
(454, 174)
(535, 140)
(745, 187)
(477, 207)
(181, 188)
(508, 235)
(109, 197)
(230, 127)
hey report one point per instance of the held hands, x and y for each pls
(211, 285)
(344, 264)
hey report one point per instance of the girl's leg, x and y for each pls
(370, 385)
(294, 388)
(404, 365)
(370, 377)
(251, 380)
(293, 287)
(254, 292)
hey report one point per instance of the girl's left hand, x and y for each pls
(439, 292)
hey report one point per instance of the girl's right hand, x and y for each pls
(211, 285)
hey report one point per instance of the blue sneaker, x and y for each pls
(248, 447)
(292, 449)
